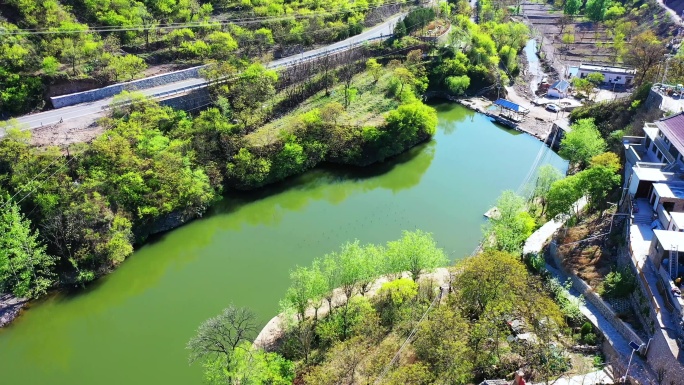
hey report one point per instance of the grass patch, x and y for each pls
(367, 108)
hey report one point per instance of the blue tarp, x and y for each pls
(509, 105)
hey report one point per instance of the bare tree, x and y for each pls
(219, 336)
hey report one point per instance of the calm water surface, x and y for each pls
(132, 326)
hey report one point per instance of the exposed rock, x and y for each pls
(10, 307)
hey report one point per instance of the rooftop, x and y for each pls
(670, 240)
(561, 85)
(651, 174)
(563, 124)
(669, 190)
(673, 128)
(615, 70)
(509, 105)
(678, 219)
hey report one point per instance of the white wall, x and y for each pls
(607, 77)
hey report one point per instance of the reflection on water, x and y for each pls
(131, 327)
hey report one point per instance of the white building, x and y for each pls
(559, 89)
(611, 75)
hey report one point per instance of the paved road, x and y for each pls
(80, 110)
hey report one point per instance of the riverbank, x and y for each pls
(273, 332)
(10, 307)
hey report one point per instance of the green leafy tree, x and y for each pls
(595, 78)
(512, 224)
(583, 142)
(458, 84)
(597, 182)
(572, 7)
(374, 68)
(50, 65)
(400, 29)
(254, 88)
(416, 252)
(563, 195)
(26, 270)
(126, 66)
(546, 176)
(392, 296)
(596, 9)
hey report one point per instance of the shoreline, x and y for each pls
(10, 308)
(272, 333)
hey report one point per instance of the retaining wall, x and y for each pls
(589, 295)
(114, 89)
(187, 102)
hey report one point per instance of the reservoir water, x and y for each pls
(131, 327)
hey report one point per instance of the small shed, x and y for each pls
(559, 89)
(510, 110)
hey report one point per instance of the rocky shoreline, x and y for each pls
(10, 307)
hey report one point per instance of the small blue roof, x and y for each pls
(510, 105)
(561, 85)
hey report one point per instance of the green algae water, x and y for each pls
(131, 327)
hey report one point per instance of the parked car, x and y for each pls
(552, 107)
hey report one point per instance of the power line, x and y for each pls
(408, 339)
(196, 24)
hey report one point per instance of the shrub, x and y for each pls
(618, 284)
(587, 328)
(589, 339)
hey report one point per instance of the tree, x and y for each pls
(458, 84)
(572, 7)
(404, 77)
(596, 182)
(331, 112)
(250, 365)
(400, 29)
(596, 9)
(50, 65)
(582, 143)
(568, 38)
(609, 160)
(596, 78)
(583, 85)
(512, 225)
(221, 45)
(392, 296)
(416, 252)
(440, 342)
(562, 196)
(26, 269)
(219, 337)
(374, 68)
(127, 65)
(254, 87)
(644, 54)
(546, 176)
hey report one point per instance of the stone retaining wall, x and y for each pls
(187, 102)
(114, 89)
(589, 295)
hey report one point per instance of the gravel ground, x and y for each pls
(79, 130)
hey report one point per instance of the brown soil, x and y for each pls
(81, 130)
(594, 258)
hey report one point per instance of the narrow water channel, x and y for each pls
(533, 65)
(132, 326)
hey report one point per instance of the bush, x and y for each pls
(587, 328)
(618, 284)
(589, 339)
